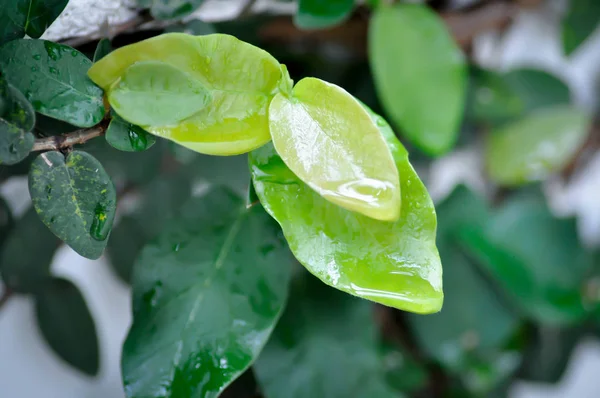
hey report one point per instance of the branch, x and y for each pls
(68, 140)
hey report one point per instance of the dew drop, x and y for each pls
(380, 122)
(12, 148)
(74, 53)
(100, 226)
(54, 71)
(37, 57)
(34, 68)
(53, 50)
(139, 142)
(176, 247)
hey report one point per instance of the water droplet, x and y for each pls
(176, 247)
(54, 70)
(381, 122)
(52, 220)
(53, 50)
(74, 53)
(37, 57)
(138, 141)
(100, 225)
(34, 68)
(48, 189)
(266, 249)
(12, 148)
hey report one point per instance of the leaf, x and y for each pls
(532, 148)
(53, 78)
(334, 146)
(420, 74)
(31, 17)
(325, 345)
(206, 295)
(103, 48)
(317, 14)
(395, 264)
(128, 137)
(579, 23)
(170, 9)
(538, 247)
(67, 325)
(17, 119)
(26, 254)
(473, 318)
(7, 223)
(75, 198)
(402, 372)
(537, 88)
(241, 78)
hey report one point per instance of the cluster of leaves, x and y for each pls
(215, 290)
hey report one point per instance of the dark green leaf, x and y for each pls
(75, 198)
(102, 49)
(128, 137)
(53, 77)
(31, 17)
(325, 345)
(420, 74)
(27, 253)
(537, 89)
(67, 325)
(581, 20)
(207, 294)
(17, 119)
(126, 241)
(318, 14)
(170, 9)
(6, 222)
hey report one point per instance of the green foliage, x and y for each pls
(128, 137)
(169, 9)
(17, 119)
(317, 14)
(581, 20)
(31, 17)
(420, 74)
(209, 311)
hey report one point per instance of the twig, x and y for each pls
(68, 140)
(8, 292)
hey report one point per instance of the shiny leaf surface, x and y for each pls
(393, 263)
(582, 18)
(241, 79)
(128, 137)
(532, 148)
(420, 74)
(207, 294)
(333, 145)
(318, 14)
(31, 17)
(67, 324)
(75, 198)
(53, 78)
(325, 345)
(17, 119)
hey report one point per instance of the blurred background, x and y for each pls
(521, 263)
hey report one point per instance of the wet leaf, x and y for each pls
(103, 48)
(393, 263)
(420, 74)
(53, 78)
(201, 313)
(26, 254)
(17, 119)
(168, 94)
(333, 145)
(325, 345)
(241, 78)
(581, 20)
(75, 198)
(31, 17)
(532, 148)
(67, 325)
(318, 14)
(170, 9)
(128, 137)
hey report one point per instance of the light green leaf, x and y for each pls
(325, 345)
(580, 22)
(241, 78)
(128, 137)
(31, 17)
(17, 119)
(168, 95)
(318, 14)
(75, 198)
(420, 74)
(333, 145)
(67, 324)
(393, 263)
(536, 146)
(53, 78)
(206, 296)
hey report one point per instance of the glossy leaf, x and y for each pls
(75, 198)
(67, 325)
(581, 20)
(53, 78)
(420, 74)
(525, 250)
(393, 263)
(170, 9)
(103, 48)
(207, 294)
(31, 17)
(26, 254)
(331, 143)
(17, 119)
(241, 79)
(318, 14)
(168, 95)
(325, 345)
(532, 148)
(128, 137)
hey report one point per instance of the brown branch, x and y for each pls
(68, 140)
(8, 292)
